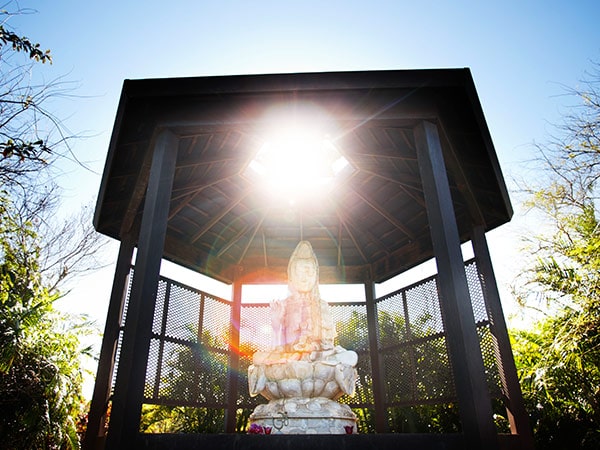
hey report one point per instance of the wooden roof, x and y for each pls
(373, 223)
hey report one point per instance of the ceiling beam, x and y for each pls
(217, 217)
(256, 228)
(381, 211)
(407, 188)
(355, 242)
(201, 186)
(232, 241)
(139, 190)
(461, 179)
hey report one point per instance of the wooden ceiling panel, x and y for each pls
(373, 221)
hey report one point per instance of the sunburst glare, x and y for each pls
(298, 160)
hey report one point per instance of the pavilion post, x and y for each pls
(377, 373)
(233, 367)
(102, 387)
(461, 333)
(129, 388)
(517, 415)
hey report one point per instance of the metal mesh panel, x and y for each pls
(433, 371)
(255, 335)
(255, 328)
(415, 359)
(244, 399)
(351, 326)
(185, 374)
(413, 346)
(153, 367)
(215, 323)
(399, 373)
(492, 358)
(183, 312)
(489, 348)
(490, 361)
(476, 293)
(180, 370)
(188, 358)
(127, 294)
(391, 320)
(424, 312)
(363, 396)
(159, 307)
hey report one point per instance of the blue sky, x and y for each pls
(522, 55)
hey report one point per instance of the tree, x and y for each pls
(69, 247)
(40, 348)
(26, 126)
(40, 369)
(559, 359)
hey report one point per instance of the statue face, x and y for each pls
(304, 275)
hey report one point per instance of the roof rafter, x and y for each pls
(217, 217)
(381, 211)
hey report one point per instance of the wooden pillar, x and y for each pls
(233, 367)
(377, 372)
(461, 334)
(102, 388)
(133, 358)
(517, 415)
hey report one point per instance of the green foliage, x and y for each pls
(436, 418)
(412, 373)
(23, 44)
(190, 374)
(40, 372)
(22, 297)
(558, 367)
(559, 357)
(181, 419)
(40, 350)
(194, 372)
(30, 135)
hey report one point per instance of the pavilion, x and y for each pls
(412, 175)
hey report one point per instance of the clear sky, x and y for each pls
(521, 53)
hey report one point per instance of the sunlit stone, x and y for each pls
(304, 373)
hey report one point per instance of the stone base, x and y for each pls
(317, 415)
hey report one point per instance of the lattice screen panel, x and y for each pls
(351, 325)
(255, 335)
(255, 328)
(188, 358)
(352, 334)
(182, 318)
(122, 321)
(423, 308)
(413, 348)
(487, 341)
(215, 322)
(159, 307)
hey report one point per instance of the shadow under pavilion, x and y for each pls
(412, 174)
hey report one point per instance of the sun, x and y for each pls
(298, 159)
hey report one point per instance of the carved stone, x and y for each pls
(304, 373)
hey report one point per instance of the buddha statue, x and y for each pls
(302, 322)
(304, 366)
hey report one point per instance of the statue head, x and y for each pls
(303, 269)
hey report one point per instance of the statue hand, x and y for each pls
(277, 308)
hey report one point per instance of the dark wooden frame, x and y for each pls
(156, 177)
